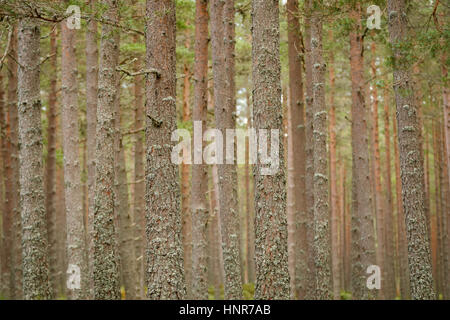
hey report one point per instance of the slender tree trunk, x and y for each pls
(445, 212)
(389, 216)
(297, 136)
(402, 251)
(106, 255)
(49, 180)
(363, 243)
(322, 230)
(91, 119)
(379, 203)
(199, 187)
(309, 177)
(272, 277)
(12, 98)
(164, 251)
(222, 34)
(76, 252)
(336, 270)
(410, 158)
(34, 231)
(215, 235)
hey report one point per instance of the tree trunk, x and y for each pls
(91, 119)
(335, 212)
(272, 277)
(222, 35)
(34, 231)
(322, 238)
(164, 251)
(363, 243)
(309, 177)
(49, 180)
(297, 136)
(410, 158)
(199, 187)
(106, 255)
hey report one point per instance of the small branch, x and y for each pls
(133, 131)
(7, 48)
(133, 74)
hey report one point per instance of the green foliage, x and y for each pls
(346, 295)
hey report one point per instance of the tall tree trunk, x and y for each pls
(214, 229)
(12, 97)
(309, 171)
(164, 251)
(91, 119)
(106, 255)
(139, 171)
(410, 158)
(335, 212)
(363, 243)
(322, 238)
(445, 212)
(222, 34)
(272, 277)
(199, 187)
(49, 182)
(379, 203)
(389, 210)
(76, 250)
(297, 135)
(34, 231)
(402, 251)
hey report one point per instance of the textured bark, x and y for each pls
(214, 233)
(106, 255)
(322, 237)
(7, 248)
(379, 203)
(410, 157)
(164, 251)
(199, 187)
(121, 205)
(363, 243)
(91, 119)
(222, 34)
(389, 209)
(297, 135)
(309, 177)
(50, 166)
(335, 210)
(139, 172)
(76, 239)
(271, 253)
(437, 248)
(402, 250)
(34, 231)
(12, 98)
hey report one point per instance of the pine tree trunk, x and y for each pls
(49, 181)
(76, 250)
(222, 36)
(12, 98)
(199, 187)
(164, 251)
(297, 135)
(106, 254)
(363, 243)
(272, 277)
(34, 231)
(335, 212)
(309, 177)
(91, 119)
(322, 230)
(410, 158)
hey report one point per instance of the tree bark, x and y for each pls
(410, 158)
(199, 187)
(34, 231)
(164, 251)
(363, 243)
(222, 35)
(271, 253)
(106, 255)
